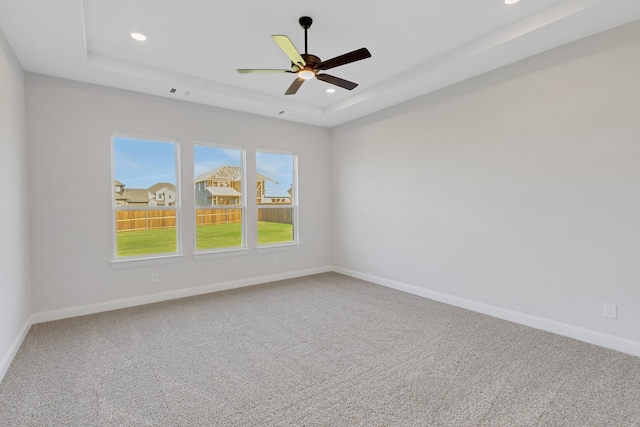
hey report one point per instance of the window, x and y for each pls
(145, 197)
(219, 197)
(276, 197)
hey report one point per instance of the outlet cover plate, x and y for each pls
(611, 310)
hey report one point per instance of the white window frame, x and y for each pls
(118, 262)
(295, 243)
(231, 250)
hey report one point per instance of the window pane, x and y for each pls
(145, 232)
(218, 228)
(145, 178)
(275, 197)
(275, 225)
(218, 196)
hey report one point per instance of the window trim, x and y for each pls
(294, 205)
(277, 247)
(225, 252)
(119, 264)
(150, 259)
(233, 251)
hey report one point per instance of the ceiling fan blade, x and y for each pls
(346, 84)
(287, 46)
(294, 86)
(249, 71)
(347, 58)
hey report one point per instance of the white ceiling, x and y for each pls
(195, 46)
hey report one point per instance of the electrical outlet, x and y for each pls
(611, 310)
(370, 261)
(154, 277)
(276, 261)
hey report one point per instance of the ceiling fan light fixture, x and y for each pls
(306, 74)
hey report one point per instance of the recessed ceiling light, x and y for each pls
(139, 36)
(331, 90)
(511, 1)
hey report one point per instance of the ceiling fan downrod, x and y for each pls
(305, 22)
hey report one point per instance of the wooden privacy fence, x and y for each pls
(145, 220)
(281, 215)
(156, 219)
(218, 216)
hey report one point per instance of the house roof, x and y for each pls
(136, 195)
(155, 187)
(223, 191)
(141, 195)
(229, 173)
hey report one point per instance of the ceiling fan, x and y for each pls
(308, 66)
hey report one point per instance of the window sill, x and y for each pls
(278, 247)
(118, 264)
(226, 253)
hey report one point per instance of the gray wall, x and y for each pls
(14, 260)
(70, 126)
(518, 189)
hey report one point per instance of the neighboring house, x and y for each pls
(219, 187)
(120, 198)
(283, 200)
(222, 187)
(160, 194)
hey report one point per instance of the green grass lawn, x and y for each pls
(218, 236)
(147, 242)
(274, 232)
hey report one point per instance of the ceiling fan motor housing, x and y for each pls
(305, 22)
(311, 60)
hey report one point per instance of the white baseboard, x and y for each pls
(65, 313)
(582, 334)
(14, 347)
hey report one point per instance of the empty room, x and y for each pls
(421, 213)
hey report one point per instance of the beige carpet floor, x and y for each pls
(323, 350)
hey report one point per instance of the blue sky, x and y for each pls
(141, 163)
(207, 158)
(278, 167)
